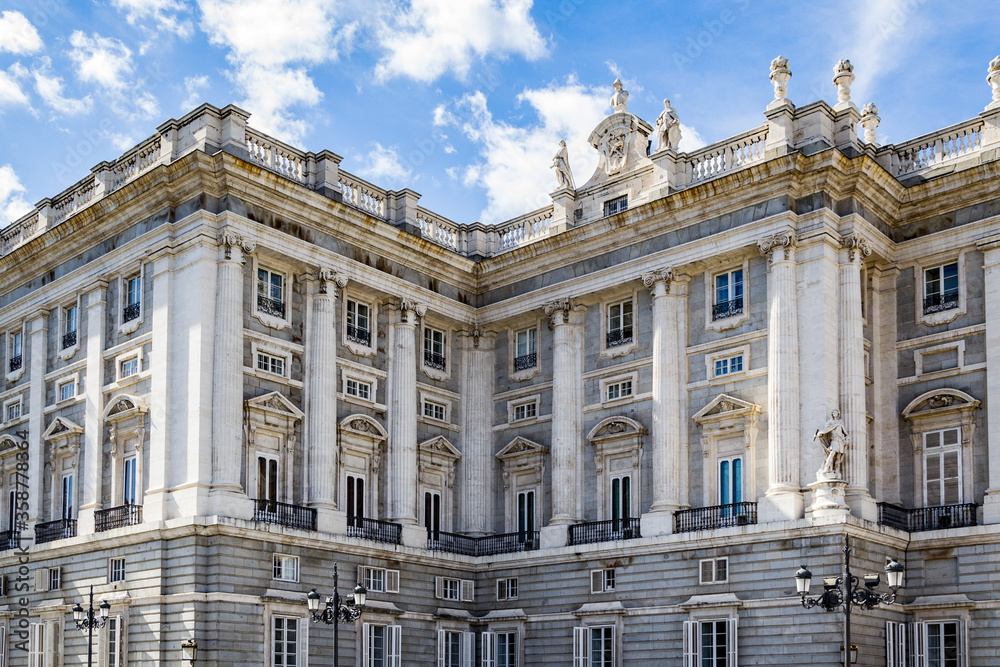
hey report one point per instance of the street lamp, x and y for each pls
(189, 651)
(335, 611)
(848, 591)
(87, 619)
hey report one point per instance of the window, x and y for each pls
(270, 293)
(434, 348)
(455, 648)
(267, 478)
(602, 581)
(621, 499)
(730, 480)
(270, 363)
(116, 570)
(286, 568)
(728, 295)
(943, 644)
(67, 390)
(941, 288)
(12, 410)
(507, 589)
(617, 390)
(358, 323)
(594, 646)
(131, 298)
(47, 579)
(381, 646)
(355, 500)
(460, 590)
(112, 641)
(619, 324)
(36, 645)
(432, 513)
(525, 411)
(285, 641)
(526, 514)
(67, 497)
(713, 571)
(710, 642)
(500, 649)
(942, 467)
(937, 643)
(526, 349)
(380, 580)
(616, 205)
(359, 389)
(71, 320)
(128, 480)
(729, 365)
(128, 367)
(15, 349)
(434, 410)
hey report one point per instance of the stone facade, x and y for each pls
(584, 436)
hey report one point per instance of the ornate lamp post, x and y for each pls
(87, 619)
(336, 611)
(847, 591)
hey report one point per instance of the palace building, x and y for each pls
(607, 432)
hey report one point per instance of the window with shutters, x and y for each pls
(931, 643)
(602, 581)
(380, 580)
(594, 646)
(36, 645)
(507, 589)
(285, 568)
(713, 571)
(381, 645)
(459, 590)
(288, 641)
(267, 478)
(710, 642)
(499, 648)
(455, 648)
(112, 643)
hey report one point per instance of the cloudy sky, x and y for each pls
(464, 101)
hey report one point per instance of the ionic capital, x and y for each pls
(558, 311)
(408, 310)
(857, 247)
(782, 241)
(327, 276)
(231, 241)
(659, 281)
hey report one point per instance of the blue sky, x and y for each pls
(464, 101)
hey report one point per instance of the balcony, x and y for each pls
(55, 530)
(69, 339)
(525, 361)
(613, 530)
(15, 363)
(273, 307)
(935, 303)
(9, 539)
(374, 530)
(731, 308)
(487, 545)
(718, 516)
(117, 517)
(130, 312)
(284, 514)
(927, 518)
(618, 337)
(434, 360)
(359, 335)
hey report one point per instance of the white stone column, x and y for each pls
(476, 423)
(882, 321)
(991, 285)
(667, 414)
(38, 346)
(227, 380)
(321, 383)
(783, 499)
(852, 379)
(402, 417)
(161, 359)
(93, 425)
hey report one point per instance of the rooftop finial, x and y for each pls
(870, 122)
(620, 98)
(843, 77)
(993, 78)
(780, 74)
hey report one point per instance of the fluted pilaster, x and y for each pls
(991, 285)
(94, 406)
(476, 385)
(852, 366)
(402, 456)
(38, 344)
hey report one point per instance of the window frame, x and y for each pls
(266, 318)
(940, 451)
(514, 404)
(729, 287)
(116, 569)
(508, 587)
(626, 346)
(603, 580)
(270, 364)
(392, 656)
(715, 571)
(301, 637)
(431, 371)
(709, 277)
(607, 383)
(133, 354)
(354, 346)
(70, 381)
(615, 205)
(12, 334)
(131, 325)
(66, 352)
(937, 261)
(527, 372)
(12, 403)
(279, 564)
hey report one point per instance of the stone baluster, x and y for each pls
(227, 380)
(94, 401)
(402, 454)
(843, 77)
(477, 350)
(784, 495)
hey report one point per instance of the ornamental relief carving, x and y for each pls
(782, 240)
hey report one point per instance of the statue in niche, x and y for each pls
(668, 128)
(833, 437)
(561, 164)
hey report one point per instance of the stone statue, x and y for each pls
(668, 128)
(619, 99)
(834, 440)
(561, 164)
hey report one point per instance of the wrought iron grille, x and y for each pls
(358, 335)
(718, 516)
(284, 514)
(934, 303)
(525, 361)
(275, 307)
(15, 363)
(69, 339)
(621, 336)
(927, 518)
(731, 308)
(9, 539)
(130, 312)
(487, 545)
(117, 517)
(434, 360)
(374, 530)
(55, 530)
(612, 530)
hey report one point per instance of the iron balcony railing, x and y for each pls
(69, 339)
(618, 337)
(612, 530)
(284, 514)
(718, 516)
(525, 361)
(15, 363)
(934, 303)
(274, 307)
(374, 530)
(487, 545)
(117, 517)
(55, 530)
(434, 360)
(927, 518)
(130, 312)
(731, 308)
(9, 539)
(358, 335)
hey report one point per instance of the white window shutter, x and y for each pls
(41, 580)
(3, 593)
(489, 649)
(51, 642)
(395, 651)
(303, 641)
(597, 581)
(3, 645)
(690, 644)
(468, 648)
(392, 581)
(441, 652)
(439, 587)
(468, 590)
(366, 641)
(919, 640)
(891, 627)
(732, 625)
(581, 647)
(501, 590)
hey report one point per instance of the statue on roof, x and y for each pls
(620, 98)
(561, 164)
(668, 128)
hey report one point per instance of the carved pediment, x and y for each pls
(123, 406)
(620, 140)
(521, 447)
(723, 406)
(616, 427)
(7, 443)
(363, 425)
(61, 428)
(939, 401)
(439, 446)
(275, 402)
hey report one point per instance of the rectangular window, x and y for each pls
(285, 642)
(729, 365)
(621, 500)
(55, 578)
(710, 643)
(526, 349)
(434, 410)
(358, 323)
(507, 589)
(506, 648)
(526, 515)
(67, 496)
(730, 480)
(116, 570)
(616, 390)
(36, 645)
(728, 295)
(602, 581)
(451, 589)
(286, 568)
(460, 590)
(71, 320)
(381, 646)
(14, 350)
(616, 205)
(12, 410)
(434, 348)
(942, 467)
(270, 363)
(380, 580)
(594, 646)
(131, 298)
(941, 288)
(432, 513)
(943, 644)
(525, 411)
(619, 324)
(113, 641)
(267, 478)
(355, 500)
(128, 368)
(359, 389)
(270, 293)
(129, 481)
(714, 571)
(67, 390)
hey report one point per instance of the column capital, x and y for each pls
(475, 333)
(408, 310)
(328, 276)
(782, 241)
(857, 246)
(231, 241)
(659, 281)
(559, 311)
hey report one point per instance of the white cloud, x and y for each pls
(12, 204)
(384, 164)
(107, 63)
(167, 15)
(17, 35)
(514, 168)
(50, 88)
(874, 31)
(433, 37)
(11, 93)
(690, 139)
(195, 85)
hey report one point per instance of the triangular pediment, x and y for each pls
(439, 445)
(61, 428)
(725, 405)
(616, 427)
(275, 402)
(938, 401)
(521, 447)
